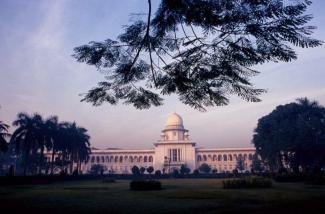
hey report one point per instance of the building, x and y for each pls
(173, 149)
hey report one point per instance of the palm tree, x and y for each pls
(78, 145)
(3, 135)
(29, 139)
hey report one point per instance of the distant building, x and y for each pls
(172, 150)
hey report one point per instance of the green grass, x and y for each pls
(178, 196)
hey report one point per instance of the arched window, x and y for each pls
(140, 159)
(121, 159)
(107, 159)
(199, 158)
(219, 157)
(111, 159)
(235, 156)
(204, 158)
(145, 159)
(240, 156)
(97, 159)
(230, 157)
(245, 156)
(92, 159)
(135, 159)
(125, 158)
(116, 159)
(224, 157)
(103, 159)
(131, 159)
(150, 159)
(214, 157)
(250, 157)
(209, 158)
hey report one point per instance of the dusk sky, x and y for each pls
(38, 74)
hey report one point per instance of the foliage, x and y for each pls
(158, 173)
(135, 170)
(249, 182)
(205, 168)
(142, 170)
(294, 135)
(257, 165)
(240, 164)
(66, 141)
(3, 135)
(150, 169)
(203, 51)
(97, 169)
(184, 169)
(196, 172)
(143, 185)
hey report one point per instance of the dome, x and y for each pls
(174, 121)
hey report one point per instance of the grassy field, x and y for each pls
(178, 196)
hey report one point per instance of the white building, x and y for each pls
(172, 150)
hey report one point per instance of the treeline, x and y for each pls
(41, 146)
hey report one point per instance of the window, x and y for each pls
(174, 154)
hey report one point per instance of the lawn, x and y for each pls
(178, 196)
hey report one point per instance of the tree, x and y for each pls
(292, 134)
(203, 51)
(142, 170)
(240, 165)
(205, 168)
(150, 169)
(257, 165)
(3, 135)
(29, 140)
(184, 169)
(158, 173)
(135, 170)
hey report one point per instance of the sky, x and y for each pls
(38, 74)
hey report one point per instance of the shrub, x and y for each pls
(144, 185)
(108, 180)
(252, 182)
(289, 177)
(158, 173)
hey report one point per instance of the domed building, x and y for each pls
(170, 152)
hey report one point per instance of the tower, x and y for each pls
(174, 147)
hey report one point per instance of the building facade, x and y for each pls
(173, 149)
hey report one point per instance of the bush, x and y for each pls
(252, 182)
(145, 185)
(108, 180)
(289, 177)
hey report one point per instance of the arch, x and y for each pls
(126, 158)
(209, 158)
(150, 159)
(135, 158)
(230, 157)
(240, 156)
(199, 158)
(214, 158)
(92, 159)
(204, 158)
(219, 157)
(235, 157)
(103, 159)
(145, 159)
(131, 159)
(224, 157)
(97, 159)
(140, 159)
(111, 159)
(121, 159)
(250, 157)
(116, 159)
(107, 158)
(245, 156)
